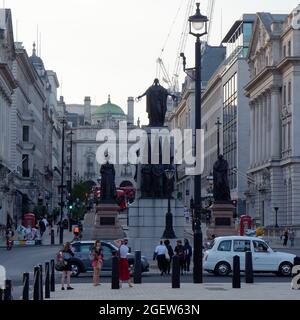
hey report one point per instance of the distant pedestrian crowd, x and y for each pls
(288, 234)
(164, 254)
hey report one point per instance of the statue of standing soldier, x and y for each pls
(108, 187)
(221, 191)
(156, 103)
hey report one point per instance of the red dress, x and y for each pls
(124, 268)
(124, 272)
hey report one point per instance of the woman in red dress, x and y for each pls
(124, 274)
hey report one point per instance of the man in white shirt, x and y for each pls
(160, 256)
(186, 214)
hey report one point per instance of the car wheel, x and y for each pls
(75, 269)
(222, 269)
(285, 269)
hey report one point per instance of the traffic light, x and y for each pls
(70, 206)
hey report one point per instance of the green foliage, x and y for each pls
(79, 191)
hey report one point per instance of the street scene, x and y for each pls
(149, 170)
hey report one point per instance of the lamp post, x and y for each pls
(218, 124)
(197, 23)
(276, 211)
(61, 229)
(169, 231)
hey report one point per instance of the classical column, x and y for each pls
(259, 142)
(275, 123)
(268, 125)
(264, 125)
(252, 133)
(257, 132)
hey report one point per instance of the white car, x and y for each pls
(219, 256)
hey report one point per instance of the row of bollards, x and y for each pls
(39, 283)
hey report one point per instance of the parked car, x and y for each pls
(219, 256)
(81, 261)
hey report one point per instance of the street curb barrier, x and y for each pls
(52, 276)
(236, 277)
(47, 281)
(249, 267)
(25, 295)
(175, 272)
(115, 282)
(41, 282)
(137, 278)
(36, 283)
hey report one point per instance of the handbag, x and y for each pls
(59, 266)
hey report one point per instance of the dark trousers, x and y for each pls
(187, 263)
(169, 264)
(181, 264)
(162, 262)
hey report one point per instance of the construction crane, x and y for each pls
(173, 82)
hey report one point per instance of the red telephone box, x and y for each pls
(245, 223)
(29, 220)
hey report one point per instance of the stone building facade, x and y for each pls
(273, 91)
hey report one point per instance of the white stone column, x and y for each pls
(264, 125)
(275, 123)
(252, 134)
(268, 125)
(259, 138)
(256, 132)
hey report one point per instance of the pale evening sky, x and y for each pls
(101, 47)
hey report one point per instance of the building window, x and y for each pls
(284, 51)
(289, 92)
(26, 133)
(25, 165)
(289, 135)
(230, 127)
(289, 50)
(284, 95)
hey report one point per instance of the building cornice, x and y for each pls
(288, 61)
(258, 78)
(8, 76)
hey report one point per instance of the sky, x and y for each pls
(102, 47)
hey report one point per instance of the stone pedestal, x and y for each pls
(222, 223)
(147, 221)
(103, 224)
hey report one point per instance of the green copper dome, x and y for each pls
(110, 108)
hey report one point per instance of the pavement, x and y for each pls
(46, 239)
(187, 291)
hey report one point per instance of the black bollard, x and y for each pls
(52, 276)
(36, 283)
(1, 294)
(52, 236)
(175, 272)
(249, 267)
(25, 295)
(115, 283)
(41, 282)
(236, 277)
(137, 267)
(47, 281)
(7, 290)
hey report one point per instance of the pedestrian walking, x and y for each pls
(124, 267)
(42, 227)
(97, 261)
(160, 255)
(285, 237)
(67, 255)
(171, 254)
(186, 212)
(188, 252)
(179, 250)
(292, 237)
(58, 227)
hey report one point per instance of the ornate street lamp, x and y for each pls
(198, 28)
(169, 231)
